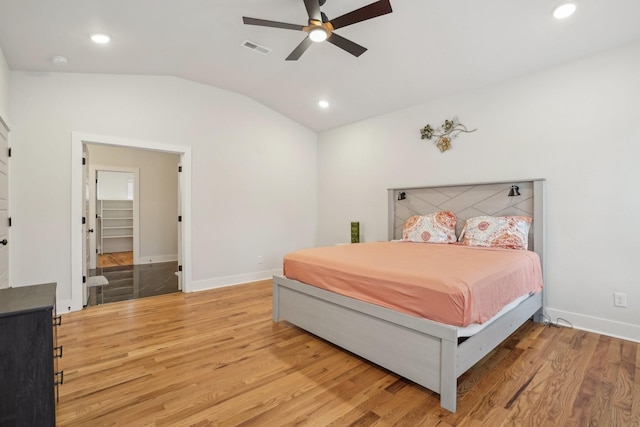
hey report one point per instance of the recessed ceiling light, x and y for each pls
(100, 38)
(564, 11)
(323, 103)
(59, 60)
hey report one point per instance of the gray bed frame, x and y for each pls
(423, 351)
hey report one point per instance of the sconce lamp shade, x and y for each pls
(514, 191)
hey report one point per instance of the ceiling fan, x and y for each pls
(320, 28)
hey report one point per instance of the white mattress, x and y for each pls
(474, 328)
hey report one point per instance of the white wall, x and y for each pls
(253, 186)
(4, 87)
(114, 185)
(158, 196)
(577, 125)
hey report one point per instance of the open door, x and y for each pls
(179, 272)
(85, 225)
(4, 205)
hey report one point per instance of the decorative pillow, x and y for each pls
(509, 232)
(439, 227)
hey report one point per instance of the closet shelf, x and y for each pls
(116, 225)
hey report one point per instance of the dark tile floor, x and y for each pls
(134, 281)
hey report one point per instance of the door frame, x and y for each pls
(93, 196)
(78, 139)
(5, 230)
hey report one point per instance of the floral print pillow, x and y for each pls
(509, 232)
(439, 227)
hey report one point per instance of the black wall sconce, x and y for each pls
(514, 191)
(402, 195)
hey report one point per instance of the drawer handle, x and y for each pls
(57, 352)
(59, 374)
(57, 321)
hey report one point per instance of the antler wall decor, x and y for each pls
(443, 135)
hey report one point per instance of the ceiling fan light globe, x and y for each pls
(318, 34)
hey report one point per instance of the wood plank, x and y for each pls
(635, 391)
(550, 383)
(114, 259)
(216, 358)
(623, 394)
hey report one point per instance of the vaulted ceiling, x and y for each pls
(423, 50)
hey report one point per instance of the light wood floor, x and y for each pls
(216, 358)
(114, 259)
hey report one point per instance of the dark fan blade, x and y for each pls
(373, 10)
(298, 51)
(274, 24)
(353, 48)
(313, 9)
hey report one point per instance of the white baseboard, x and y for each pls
(221, 282)
(610, 328)
(157, 258)
(66, 306)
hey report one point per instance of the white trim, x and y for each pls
(625, 331)
(158, 258)
(221, 282)
(5, 280)
(5, 122)
(80, 138)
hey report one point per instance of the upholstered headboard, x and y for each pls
(470, 200)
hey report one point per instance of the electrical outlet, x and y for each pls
(619, 299)
(259, 259)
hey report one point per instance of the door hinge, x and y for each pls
(84, 279)
(96, 251)
(9, 152)
(179, 268)
(179, 218)
(179, 168)
(84, 220)
(9, 221)
(84, 161)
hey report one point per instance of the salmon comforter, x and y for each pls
(448, 283)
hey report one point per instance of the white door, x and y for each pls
(180, 267)
(4, 205)
(85, 224)
(92, 220)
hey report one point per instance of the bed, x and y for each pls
(428, 352)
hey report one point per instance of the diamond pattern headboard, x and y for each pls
(471, 200)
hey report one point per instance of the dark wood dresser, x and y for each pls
(28, 356)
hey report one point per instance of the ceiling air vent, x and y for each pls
(255, 46)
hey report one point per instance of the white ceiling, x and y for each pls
(425, 49)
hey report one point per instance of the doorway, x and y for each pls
(184, 202)
(114, 213)
(134, 223)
